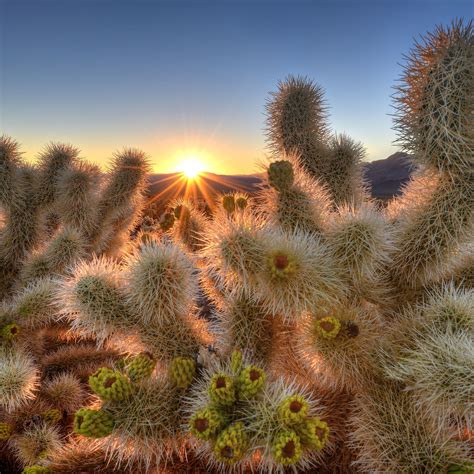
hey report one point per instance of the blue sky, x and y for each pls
(177, 78)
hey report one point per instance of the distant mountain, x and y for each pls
(169, 186)
(386, 177)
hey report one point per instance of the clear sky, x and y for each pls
(178, 78)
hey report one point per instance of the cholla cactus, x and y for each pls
(49, 223)
(435, 121)
(18, 379)
(298, 125)
(339, 337)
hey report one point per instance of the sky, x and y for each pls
(181, 79)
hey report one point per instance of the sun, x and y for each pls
(191, 167)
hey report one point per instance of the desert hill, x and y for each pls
(385, 177)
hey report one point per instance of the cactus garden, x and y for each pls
(339, 332)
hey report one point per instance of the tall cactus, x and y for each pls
(298, 125)
(435, 122)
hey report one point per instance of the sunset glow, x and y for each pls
(191, 167)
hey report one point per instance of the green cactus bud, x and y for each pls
(222, 389)
(52, 416)
(464, 469)
(93, 423)
(286, 448)
(293, 410)
(228, 203)
(313, 432)
(36, 469)
(236, 361)
(6, 430)
(206, 422)
(281, 175)
(140, 367)
(231, 444)
(327, 327)
(251, 380)
(182, 371)
(110, 385)
(281, 265)
(10, 331)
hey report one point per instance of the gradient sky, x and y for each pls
(177, 78)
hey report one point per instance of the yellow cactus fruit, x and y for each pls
(52, 416)
(293, 410)
(110, 385)
(36, 470)
(286, 448)
(10, 331)
(5, 431)
(231, 444)
(206, 422)
(281, 265)
(93, 423)
(327, 327)
(182, 371)
(251, 380)
(236, 361)
(313, 432)
(140, 367)
(222, 389)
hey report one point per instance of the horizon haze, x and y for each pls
(189, 79)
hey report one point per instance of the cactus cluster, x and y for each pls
(340, 335)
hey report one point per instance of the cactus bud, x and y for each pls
(313, 433)
(281, 265)
(241, 203)
(110, 385)
(236, 361)
(228, 203)
(222, 390)
(206, 423)
(93, 423)
(6, 430)
(140, 367)
(182, 371)
(287, 448)
(52, 416)
(36, 469)
(10, 331)
(251, 381)
(328, 327)
(280, 175)
(231, 444)
(293, 410)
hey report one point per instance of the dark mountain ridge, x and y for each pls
(385, 178)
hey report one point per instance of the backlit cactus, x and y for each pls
(304, 329)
